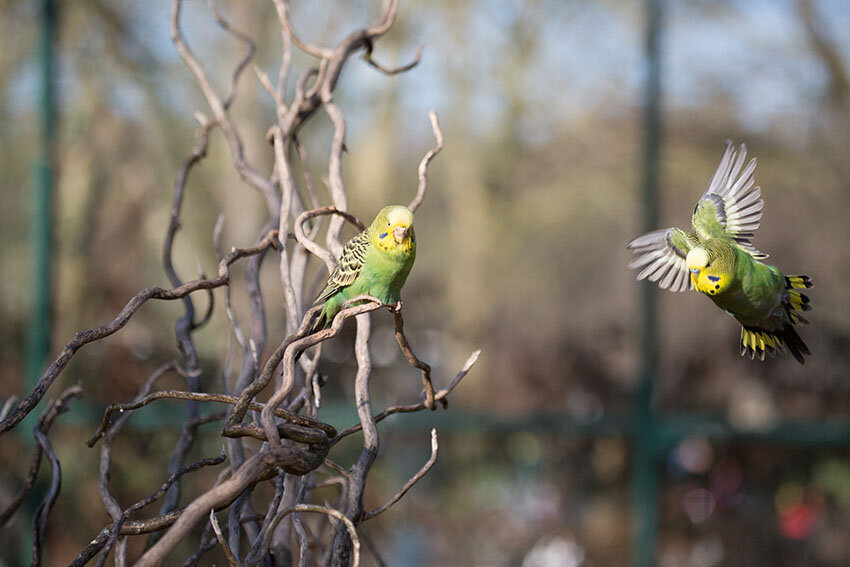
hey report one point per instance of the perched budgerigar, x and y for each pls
(719, 260)
(376, 262)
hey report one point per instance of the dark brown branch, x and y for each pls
(83, 338)
(367, 55)
(43, 511)
(439, 396)
(260, 466)
(349, 525)
(139, 527)
(409, 484)
(294, 350)
(267, 374)
(109, 500)
(45, 422)
(32, 473)
(186, 469)
(284, 430)
(257, 544)
(414, 361)
(204, 397)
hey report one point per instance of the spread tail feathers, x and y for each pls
(756, 341)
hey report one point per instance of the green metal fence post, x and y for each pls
(41, 239)
(41, 225)
(645, 472)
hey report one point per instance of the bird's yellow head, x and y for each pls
(708, 273)
(392, 229)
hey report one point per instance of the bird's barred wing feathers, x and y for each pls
(348, 268)
(731, 205)
(663, 252)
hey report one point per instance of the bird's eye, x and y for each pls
(708, 265)
(388, 224)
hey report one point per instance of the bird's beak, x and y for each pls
(400, 233)
(694, 271)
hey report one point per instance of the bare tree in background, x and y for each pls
(282, 441)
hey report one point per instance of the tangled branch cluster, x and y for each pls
(282, 441)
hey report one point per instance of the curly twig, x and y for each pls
(423, 165)
(352, 532)
(367, 55)
(294, 350)
(224, 547)
(409, 484)
(44, 424)
(203, 397)
(259, 467)
(252, 49)
(439, 396)
(298, 228)
(404, 344)
(46, 505)
(83, 338)
(220, 112)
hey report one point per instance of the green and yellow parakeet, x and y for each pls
(719, 260)
(376, 262)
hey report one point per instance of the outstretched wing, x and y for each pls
(731, 207)
(348, 268)
(663, 252)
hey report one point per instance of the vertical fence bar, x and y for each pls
(41, 225)
(645, 472)
(40, 238)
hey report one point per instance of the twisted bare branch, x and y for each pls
(423, 165)
(44, 508)
(409, 484)
(410, 408)
(294, 440)
(83, 338)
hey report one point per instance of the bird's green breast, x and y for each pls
(383, 274)
(755, 291)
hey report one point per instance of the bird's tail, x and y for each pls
(757, 341)
(797, 302)
(320, 321)
(326, 316)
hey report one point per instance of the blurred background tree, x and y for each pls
(521, 252)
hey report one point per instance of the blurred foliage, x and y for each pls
(522, 251)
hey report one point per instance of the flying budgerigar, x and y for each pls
(719, 260)
(376, 262)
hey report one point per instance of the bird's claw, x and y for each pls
(397, 307)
